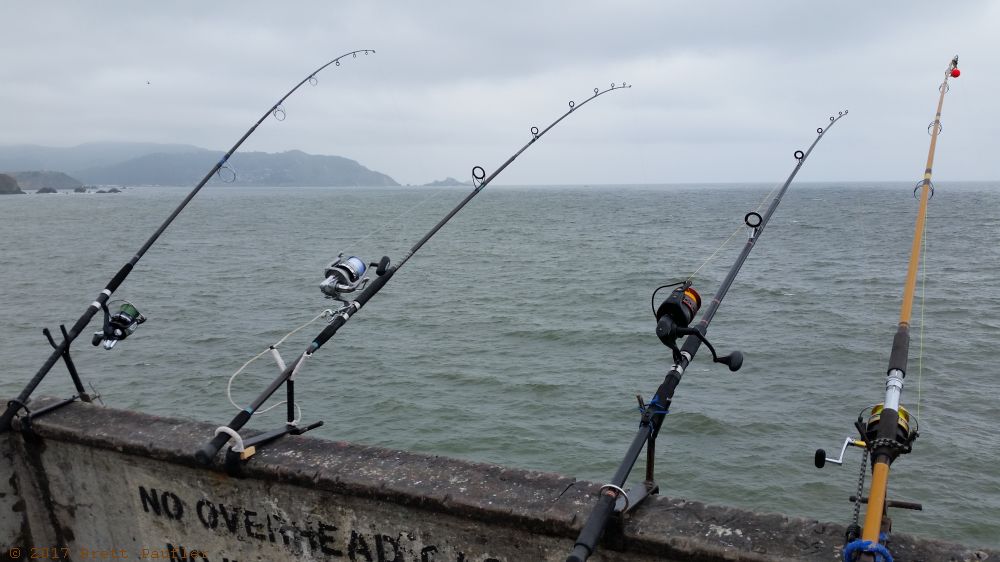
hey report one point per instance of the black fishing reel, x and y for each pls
(673, 317)
(118, 326)
(346, 275)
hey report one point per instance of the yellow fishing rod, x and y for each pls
(888, 429)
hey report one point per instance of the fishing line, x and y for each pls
(889, 430)
(399, 231)
(120, 330)
(715, 253)
(325, 314)
(328, 313)
(923, 295)
(675, 319)
(348, 280)
(768, 197)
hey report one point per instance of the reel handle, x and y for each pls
(820, 459)
(734, 360)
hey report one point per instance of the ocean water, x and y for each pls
(522, 332)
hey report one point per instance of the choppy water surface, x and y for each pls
(522, 332)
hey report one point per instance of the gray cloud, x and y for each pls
(724, 91)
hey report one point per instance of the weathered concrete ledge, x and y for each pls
(119, 484)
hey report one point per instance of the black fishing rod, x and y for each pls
(344, 276)
(888, 430)
(123, 323)
(673, 317)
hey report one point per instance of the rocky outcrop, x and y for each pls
(448, 182)
(9, 186)
(40, 179)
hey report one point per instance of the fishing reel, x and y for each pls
(868, 423)
(346, 275)
(118, 326)
(673, 317)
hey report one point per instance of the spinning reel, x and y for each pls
(673, 317)
(118, 326)
(867, 424)
(346, 275)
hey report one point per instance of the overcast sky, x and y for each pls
(723, 91)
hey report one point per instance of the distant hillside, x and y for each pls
(36, 180)
(181, 165)
(75, 158)
(447, 182)
(252, 168)
(8, 185)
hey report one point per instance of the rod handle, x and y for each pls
(210, 449)
(593, 529)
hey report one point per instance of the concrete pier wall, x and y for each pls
(93, 483)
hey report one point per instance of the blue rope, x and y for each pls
(858, 546)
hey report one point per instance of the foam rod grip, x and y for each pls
(580, 554)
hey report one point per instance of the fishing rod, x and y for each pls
(343, 277)
(888, 430)
(123, 323)
(673, 318)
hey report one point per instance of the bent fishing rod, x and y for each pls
(888, 430)
(344, 276)
(673, 318)
(120, 325)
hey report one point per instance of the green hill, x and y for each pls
(182, 165)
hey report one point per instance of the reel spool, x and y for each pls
(906, 429)
(677, 311)
(118, 326)
(346, 275)
(673, 317)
